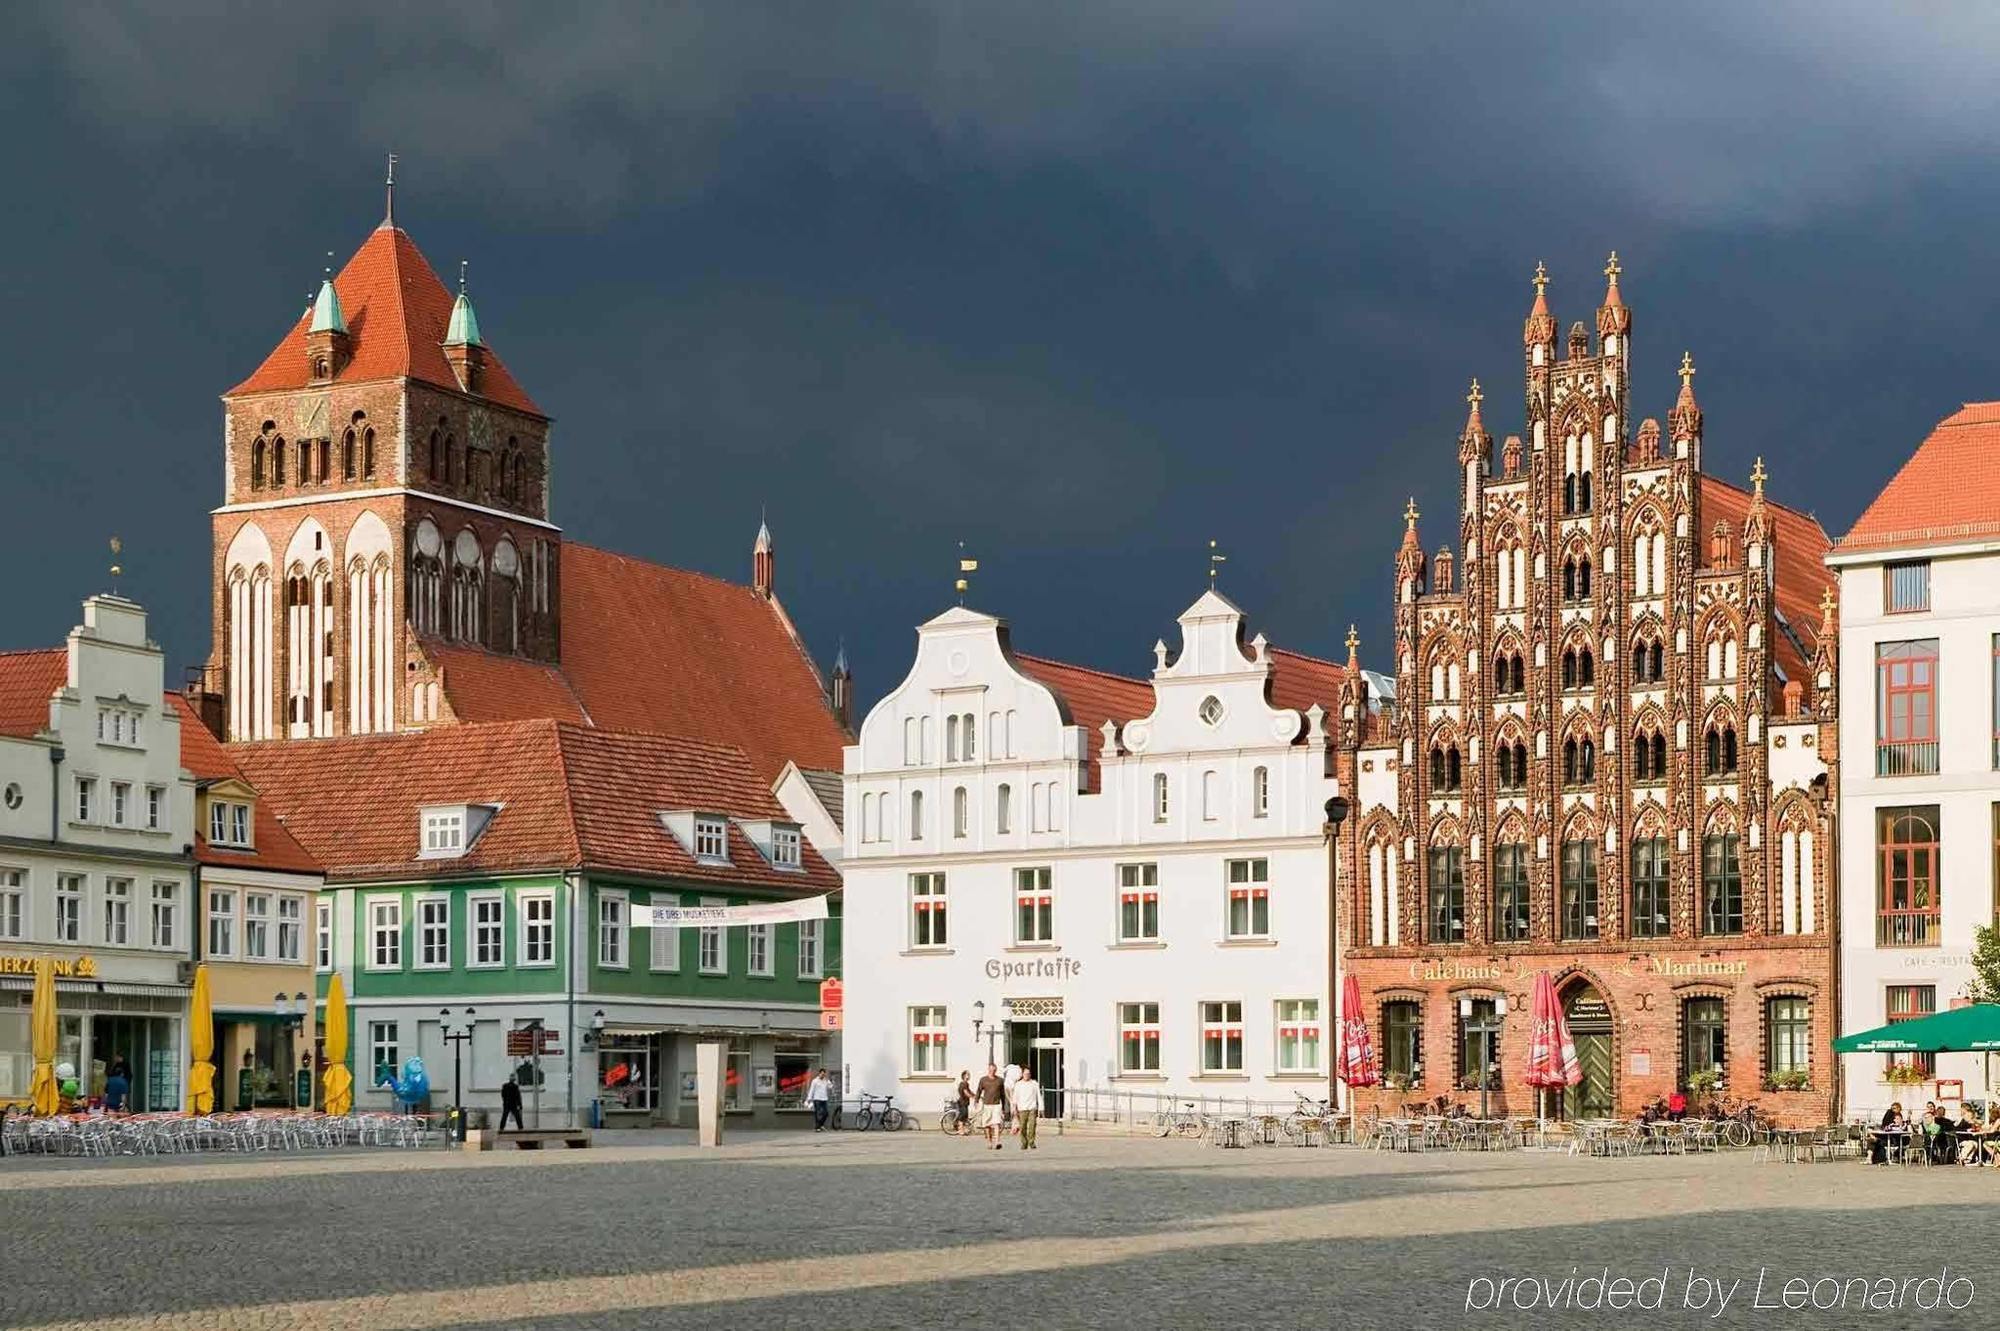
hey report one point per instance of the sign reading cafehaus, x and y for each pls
(1613, 732)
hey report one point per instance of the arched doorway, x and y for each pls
(1589, 1018)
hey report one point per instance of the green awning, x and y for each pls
(1974, 1029)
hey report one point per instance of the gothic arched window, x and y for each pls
(347, 459)
(368, 453)
(257, 465)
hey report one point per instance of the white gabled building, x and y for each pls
(1127, 881)
(1920, 747)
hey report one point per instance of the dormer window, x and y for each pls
(711, 838)
(450, 829)
(228, 823)
(785, 849)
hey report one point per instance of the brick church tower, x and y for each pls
(386, 486)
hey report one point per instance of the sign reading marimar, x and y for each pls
(712, 917)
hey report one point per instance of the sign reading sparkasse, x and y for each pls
(831, 994)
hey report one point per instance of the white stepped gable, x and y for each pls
(1213, 694)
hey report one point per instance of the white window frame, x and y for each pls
(1139, 1020)
(1161, 800)
(928, 893)
(222, 923)
(165, 915)
(121, 803)
(156, 808)
(443, 833)
(478, 930)
(384, 1035)
(1304, 1020)
(228, 823)
(1034, 887)
(711, 839)
(613, 915)
(713, 939)
(787, 848)
(379, 929)
(1254, 889)
(1226, 1024)
(86, 799)
(1140, 879)
(1211, 795)
(760, 946)
(118, 912)
(663, 948)
(811, 950)
(1260, 793)
(257, 941)
(72, 891)
(425, 924)
(531, 929)
(322, 936)
(291, 923)
(13, 903)
(928, 1048)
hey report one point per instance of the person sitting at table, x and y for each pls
(1878, 1141)
(1965, 1133)
(1940, 1142)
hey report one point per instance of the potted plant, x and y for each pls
(1704, 1081)
(1905, 1074)
(1797, 1079)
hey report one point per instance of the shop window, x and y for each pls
(1475, 1043)
(1787, 1037)
(1721, 886)
(1298, 1034)
(1403, 1042)
(1704, 1037)
(1510, 893)
(1445, 917)
(628, 1076)
(1579, 889)
(1907, 1002)
(927, 910)
(384, 1051)
(929, 1042)
(1222, 1037)
(1649, 888)
(1249, 903)
(1138, 1037)
(1034, 906)
(1138, 903)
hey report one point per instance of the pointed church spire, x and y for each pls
(463, 330)
(389, 210)
(1685, 418)
(1540, 328)
(1612, 316)
(1353, 649)
(326, 316)
(763, 560)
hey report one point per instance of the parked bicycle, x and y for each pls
(1307, 1116)
(1183, 1122)
(879, 1108)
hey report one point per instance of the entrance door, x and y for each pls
(1037, 1045)
(1589, 1018)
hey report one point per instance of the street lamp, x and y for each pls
(982, 1030)
(1336, 813)
(456, 1038)
(1485, 1026)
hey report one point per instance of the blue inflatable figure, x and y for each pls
(411, 1088)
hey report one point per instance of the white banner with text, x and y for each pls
(711, 917)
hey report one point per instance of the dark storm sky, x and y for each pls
(1081, 285)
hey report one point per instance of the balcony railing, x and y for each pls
(1906, 928)
(1906, 757)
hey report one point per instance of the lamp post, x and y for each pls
(1336, 814)
(1485, 1026)
(456, 1038)
(982, 1030)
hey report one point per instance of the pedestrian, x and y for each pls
(1011, 1075)
(992, 1093)
(818, 1093)
(117, 1085)
(962, 1098)
(1027, 1107)
(510, 1105)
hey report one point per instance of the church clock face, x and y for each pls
(479, 429)
(311, 418)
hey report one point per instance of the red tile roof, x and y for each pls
(396, 311)
(1801, 545)
(26, 681)
(1298, 681)
(662, 651)
(568, 797)
(1948, 492)
(274, 847)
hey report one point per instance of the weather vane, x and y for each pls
(1687, 367)
(117, 569)
(966, 566)
(1758, 475)
(1541, 277)
(1215, 561)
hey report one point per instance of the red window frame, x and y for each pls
(1907, 877)
(1908, 1002)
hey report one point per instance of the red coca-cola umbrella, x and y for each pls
(1355, 1063)
(1551, 1053)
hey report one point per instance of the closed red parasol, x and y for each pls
(1551, 1052)
(1355, 1064)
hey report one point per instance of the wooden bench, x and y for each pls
(573, 1138)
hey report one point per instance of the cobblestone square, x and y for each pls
(920, 1230)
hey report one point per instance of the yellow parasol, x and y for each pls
(201, 1043)
(42, 1088)
(337, 1080)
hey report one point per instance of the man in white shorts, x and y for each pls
(992, 1095)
